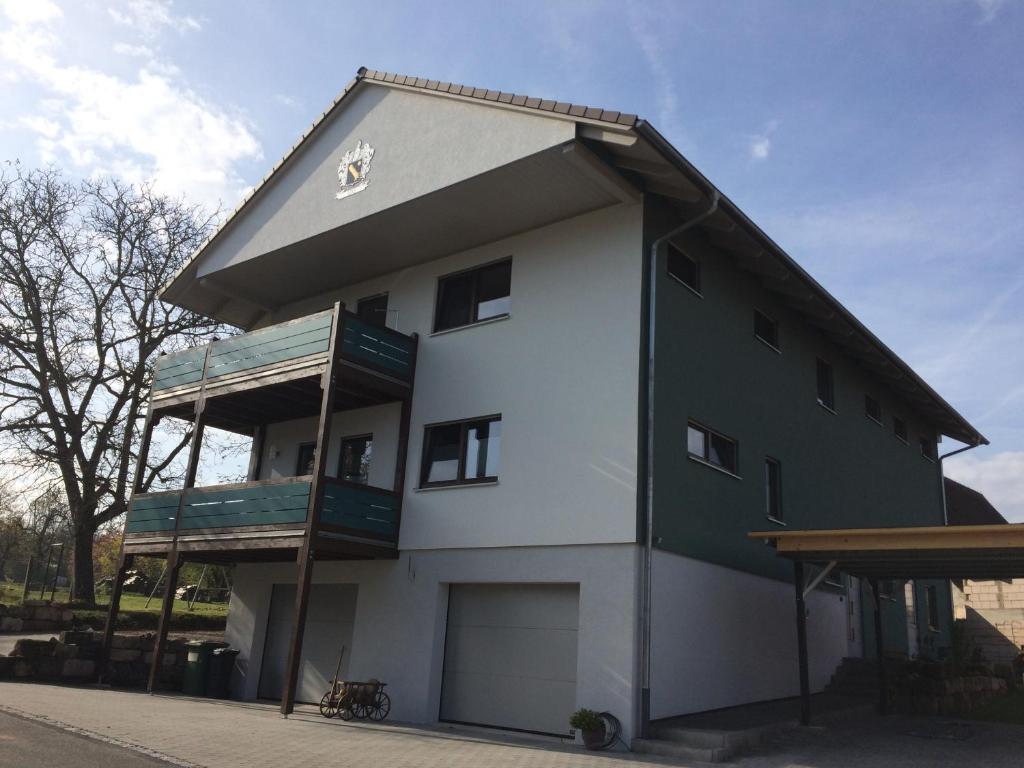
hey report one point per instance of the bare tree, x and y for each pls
(80, 328)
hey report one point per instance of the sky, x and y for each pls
(880, 143)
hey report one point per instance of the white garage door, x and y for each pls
(330, 617)
(510, 656)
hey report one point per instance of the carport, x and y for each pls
(979, 552)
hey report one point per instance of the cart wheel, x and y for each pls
(361, 711)
(380, 707)
(329, 705)
(345, 712)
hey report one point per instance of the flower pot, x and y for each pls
(593, 738)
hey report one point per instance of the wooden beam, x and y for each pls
(173, 569)
(686, 194)
(599, 172)
(306, 555)
(125, 562)
(624, 138)
(403, 438)
(801, 644)
(954, 537)
(883, 693)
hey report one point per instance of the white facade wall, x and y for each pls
(401, 614)
(722, 637)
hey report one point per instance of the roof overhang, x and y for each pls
(979, 552)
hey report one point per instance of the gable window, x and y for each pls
(826, 386)
(304, 463)
(373, 310)
(766, 329)
(928, 448)
(483, 293)
(684, 269)
(931, 602)
(461, 452)
(354, 461)
(773, 488)
(899, 429)
(712, 448)
(872, 409)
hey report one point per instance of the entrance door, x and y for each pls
(910, 600)
(330, 618)
(510, 656)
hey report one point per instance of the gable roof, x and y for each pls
(794, 284)
(966, 506)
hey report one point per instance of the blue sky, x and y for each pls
(880, 143)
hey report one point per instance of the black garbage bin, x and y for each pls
(218, 681)
(197, 662)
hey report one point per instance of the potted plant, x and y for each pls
(592, 726)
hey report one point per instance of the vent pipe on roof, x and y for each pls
(648, 548)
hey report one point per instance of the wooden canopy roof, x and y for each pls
(977, 552)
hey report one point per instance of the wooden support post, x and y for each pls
(259, 440)
(307, 552)
(125, 563)
(28, 578)
(173, 568)
(56, 574)
(801, 643)
(402, 456)
(883, 693)
(46, 572)
(174, 562)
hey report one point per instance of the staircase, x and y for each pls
(855, 677)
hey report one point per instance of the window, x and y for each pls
(872, 409)
(773, 488)
(715, 449)
(461, 452)
(304, 464)
(766, 329)
(826, 386)
(931, 602)
(928, 448)
(886, 589)
(899, 429)
(477, 294)
(373, 310)
(354, 461)
(684, 269)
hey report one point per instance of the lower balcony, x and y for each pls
(265, 520)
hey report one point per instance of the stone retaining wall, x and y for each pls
(35, 616)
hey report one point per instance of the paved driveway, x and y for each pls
(211, 734)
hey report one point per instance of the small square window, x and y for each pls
(683, 268)
(477, 294)
(773, 488)
(461, 453)
(928, 448)
(826, 385)
(354, 461)
(716, 449)
(899, 429)
(872, 409)
(304, 464)
(766, 329)
(373, 310)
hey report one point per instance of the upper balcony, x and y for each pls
(277, 374)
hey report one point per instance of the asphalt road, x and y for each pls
(27, 744)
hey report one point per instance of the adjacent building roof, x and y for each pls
(966, 506)
(655, 166)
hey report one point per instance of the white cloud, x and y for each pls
(150, 17)
(761, 143)
(146, 126)
(127, 49)
(989, 9)
(646, 25)
(30, 11)
(1000, 476)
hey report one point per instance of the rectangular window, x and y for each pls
(931, 599)
(716, 449)
(928, 448)
(474, 295)
(872, 409)
(684, 269)
(766, 329)
(886, 589)
(826, 386)
(304, 463)
(773, 488)
(354, 461)
(373, 310)
(899, 429)
(463, 452)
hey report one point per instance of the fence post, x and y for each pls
(28, 578)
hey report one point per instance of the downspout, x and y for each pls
(648, 549)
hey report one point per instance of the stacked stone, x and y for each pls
(35, 616)
(936, 689)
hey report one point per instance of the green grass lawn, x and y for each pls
(133, 613)
(1004, 709)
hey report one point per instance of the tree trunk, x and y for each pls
(84, 584)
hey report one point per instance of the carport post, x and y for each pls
(124, 565)
(801, 643)
(883, 694)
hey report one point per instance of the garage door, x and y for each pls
(330, 617)
(510, 656)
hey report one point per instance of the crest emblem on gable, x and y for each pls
(354, 170)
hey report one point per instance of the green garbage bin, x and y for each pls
(218, 681)
(197, 662)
